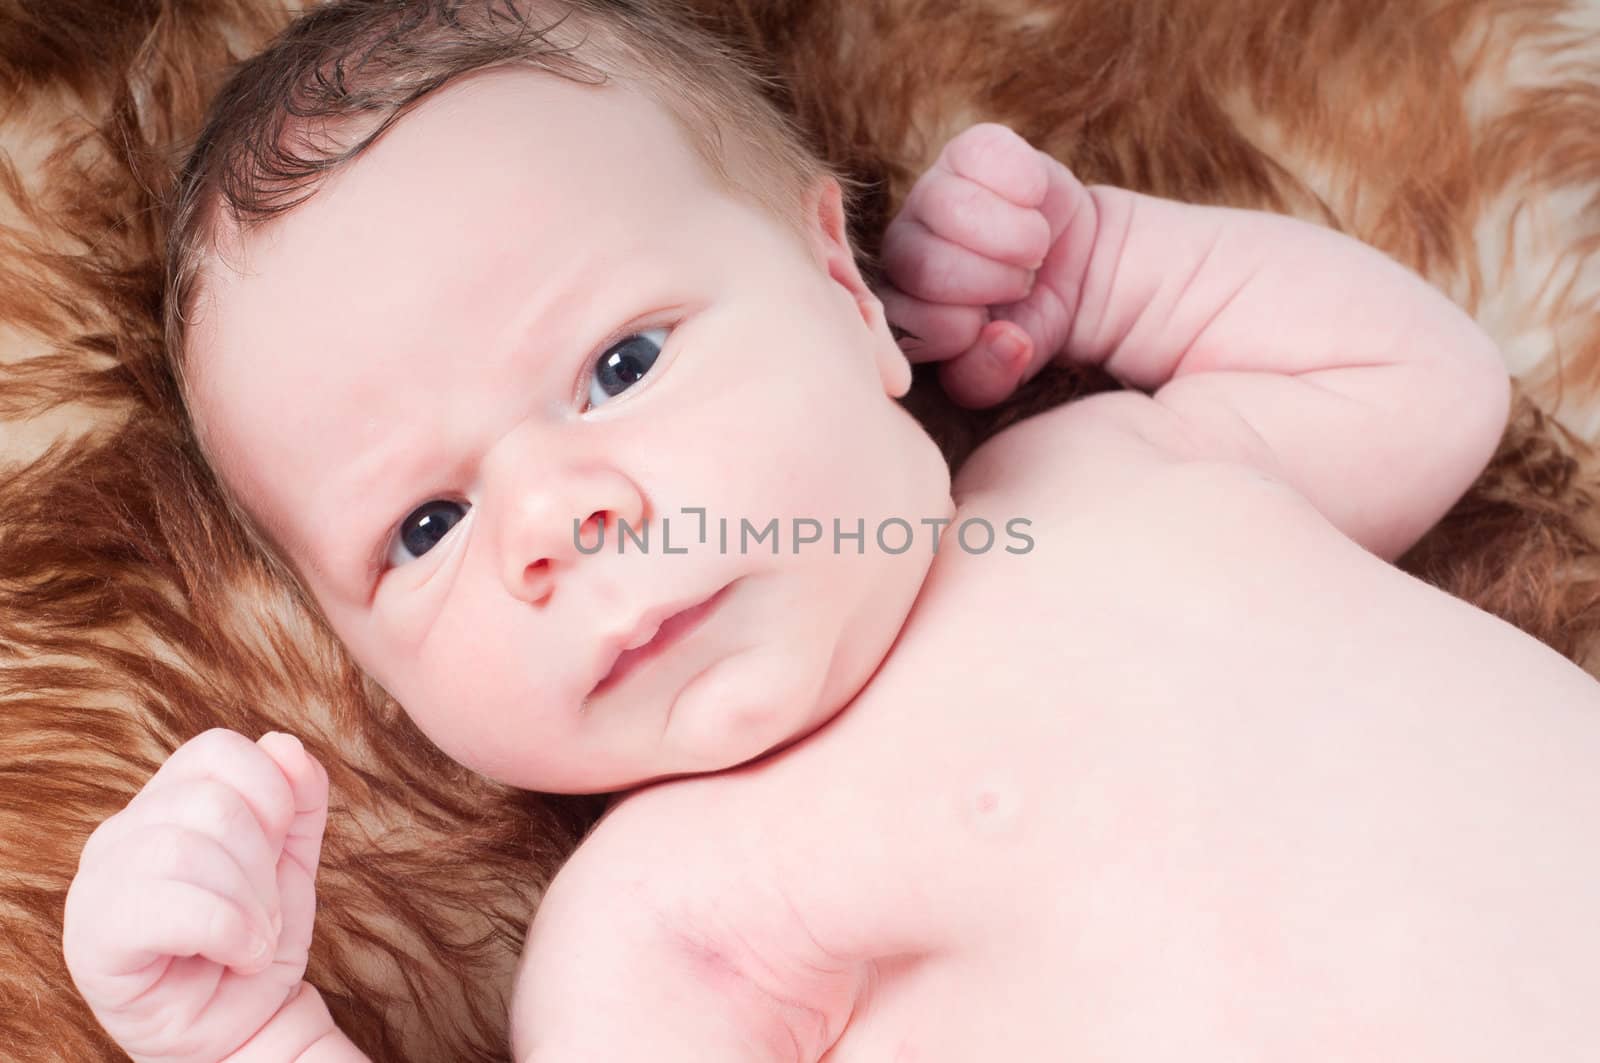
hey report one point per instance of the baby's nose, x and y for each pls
(549, 527)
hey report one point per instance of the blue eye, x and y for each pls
(624, 364)
(423, 529)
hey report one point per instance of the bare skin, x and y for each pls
(1313, 808)
(1200, 775)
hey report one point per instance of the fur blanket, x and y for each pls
(1456, 135)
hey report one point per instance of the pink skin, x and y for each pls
(198, 899)
(445, 353)
(451, 357)
(977, 248)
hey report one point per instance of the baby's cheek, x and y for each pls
(458, 689)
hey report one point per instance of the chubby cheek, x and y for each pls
(805, 442)
(473, 690)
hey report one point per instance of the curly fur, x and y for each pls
(1457, 135)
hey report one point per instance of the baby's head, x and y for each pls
(587, 276)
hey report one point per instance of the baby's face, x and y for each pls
(527, 306)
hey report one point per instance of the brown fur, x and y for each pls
(132, 616)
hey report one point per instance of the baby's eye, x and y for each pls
(422, 530)
(624, 363)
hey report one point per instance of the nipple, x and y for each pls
(994, 809)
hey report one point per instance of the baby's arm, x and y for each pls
(657, 942)
(614, 981)
(188, 923)
(1265, 340)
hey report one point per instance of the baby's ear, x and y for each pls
(831, 242)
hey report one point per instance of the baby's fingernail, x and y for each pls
(1008, 348)
(259, 947)
(277, 924)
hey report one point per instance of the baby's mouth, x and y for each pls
(648, 644)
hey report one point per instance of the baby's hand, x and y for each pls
(188, 923)
(978, 271)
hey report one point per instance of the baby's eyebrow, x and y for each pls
(545, 320)
(362, 505)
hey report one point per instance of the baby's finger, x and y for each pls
(166, 853)
(923, 264)
(302, 846)
(232, 759)
(308, 782)
(937, 330)
(173, 918)
(998, 157)
(991, 370)
(218, 812)
(979, 219)
(115, 932)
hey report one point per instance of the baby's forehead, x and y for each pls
(495, 141)
(431, 241)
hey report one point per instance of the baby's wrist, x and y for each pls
(302, 1031)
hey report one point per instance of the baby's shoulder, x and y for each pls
(1116, 450)
(1084, 448)
(1111, 489)
(671, 904)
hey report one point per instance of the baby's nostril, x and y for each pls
(536, 581)
(591, 533)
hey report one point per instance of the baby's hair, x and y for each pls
(335, 79)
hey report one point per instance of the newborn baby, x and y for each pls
(1127, 743)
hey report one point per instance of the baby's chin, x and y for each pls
(763, 699)
(740, 710)
(748, 707)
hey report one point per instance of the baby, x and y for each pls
(1126, 743)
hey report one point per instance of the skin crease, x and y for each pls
(447, 353)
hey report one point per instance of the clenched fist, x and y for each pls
(985, 260)
(189, 921)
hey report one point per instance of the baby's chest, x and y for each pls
(1044, 997)
(1078, 707)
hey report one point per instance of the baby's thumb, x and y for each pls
(308, 781)
(991, 369)
(302, 847)
(1047, 313)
